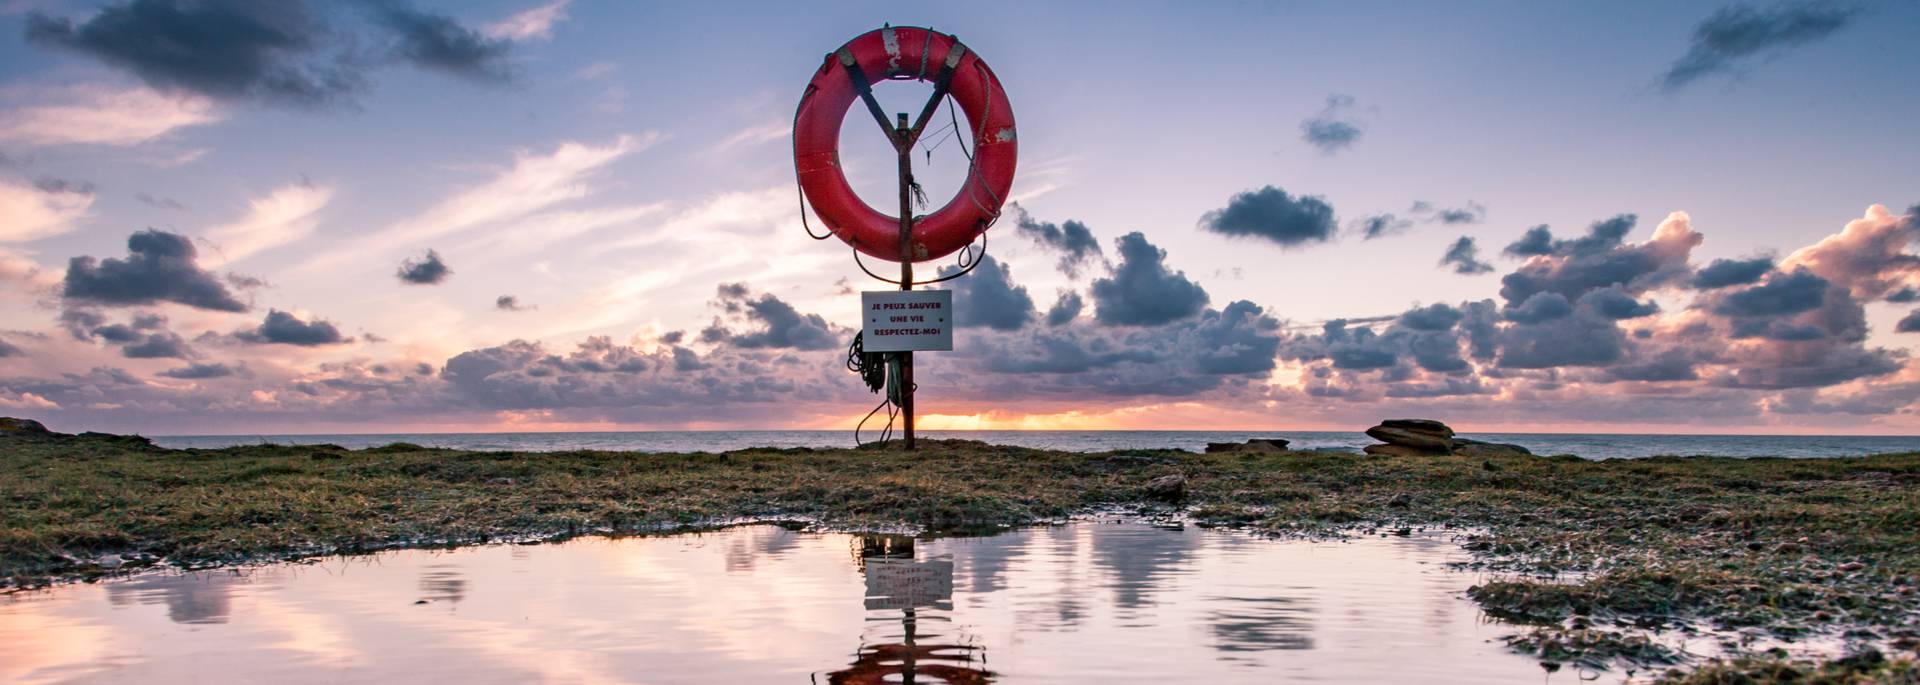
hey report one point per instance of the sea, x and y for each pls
(1587, 445)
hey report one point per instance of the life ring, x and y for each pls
(905, 52)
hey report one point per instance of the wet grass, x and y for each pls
(1597, 555)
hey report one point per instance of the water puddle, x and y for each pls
(1084, 602)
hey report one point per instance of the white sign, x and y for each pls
(906, 584)
(906, 320)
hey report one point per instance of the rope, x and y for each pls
(879, 371)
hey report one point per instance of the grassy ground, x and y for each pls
(1598, 556)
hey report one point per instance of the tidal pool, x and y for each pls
(1081, 602)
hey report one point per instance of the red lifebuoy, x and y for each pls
(905, 52)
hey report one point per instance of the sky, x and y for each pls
(392, 216)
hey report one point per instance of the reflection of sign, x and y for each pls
(906, 320)
(903, 584)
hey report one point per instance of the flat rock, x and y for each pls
(1256, 445)
(1418, 426)
(1401, 451)
(1422, 440)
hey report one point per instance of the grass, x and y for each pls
(1598, 555)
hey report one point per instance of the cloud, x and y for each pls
(1536, 241)
(223, 49)
(1464, 256)
(1781, 294)
(1541, 307)
(1272, 214)
(779, 325)
(282, 328)
(535, 23)
(200, 371)
(509, 303)
(428, 270)
(1065, 309)
(30, 212)
(101, 115)
(533, 183)
(1601, 259)
(1334, 128)
(283, 51)
(1730, 272)
(1868, 257)
(436, 41)
(988, 297)
(163, 345)
(8, 349)
(159, 202)
(1380, 225)
(1072, 240)
(1614, 303)
(1908, 324)
(1473, 213)
(287, 215)
(1738, 35)
(1142, 291)
(159, 267)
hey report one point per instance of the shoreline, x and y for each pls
(1790, 548)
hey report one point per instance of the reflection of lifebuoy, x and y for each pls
(905, 53)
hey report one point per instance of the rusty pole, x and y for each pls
(903, 143)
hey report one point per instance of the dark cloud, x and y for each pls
(286, 329)
(1071, 240)
(1379, 226)
(1614, 303)
(8, 349)
(1738, 35)
(1729, 272)
(1909, 323)
(158, 346)
(435, 41)
(1272, 214)
(1539, 308)
(1536, 241)
(286, 51)
(267, 49)
(1065, 309)
(1903, 296)
(1142, 291)
(159, 202)
(1334, 128)
(1473, 213)
(1670, 365)
(1780, 295)
(1433, 317)
(159, 267)
(988, 297)
(428, 270)
(200, 371)
(48, 184)
(1582, 339)
(1464, 257)
(781, 326)
(509, 304)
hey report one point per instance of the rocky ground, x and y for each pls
(1595, 562)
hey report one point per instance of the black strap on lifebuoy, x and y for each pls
(941, 83)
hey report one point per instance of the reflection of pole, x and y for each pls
(906, 665)
(903, 142)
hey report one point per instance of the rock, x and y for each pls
(1169, 488)
(1256, 445)
(26, 427)
(1400, 501)
(109, 561)
(1418, 426)
(1476, 448)
(1399, 451)
(1430, 441)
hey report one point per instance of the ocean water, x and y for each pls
(1591, 446)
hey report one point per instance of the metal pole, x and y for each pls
(903, 143)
